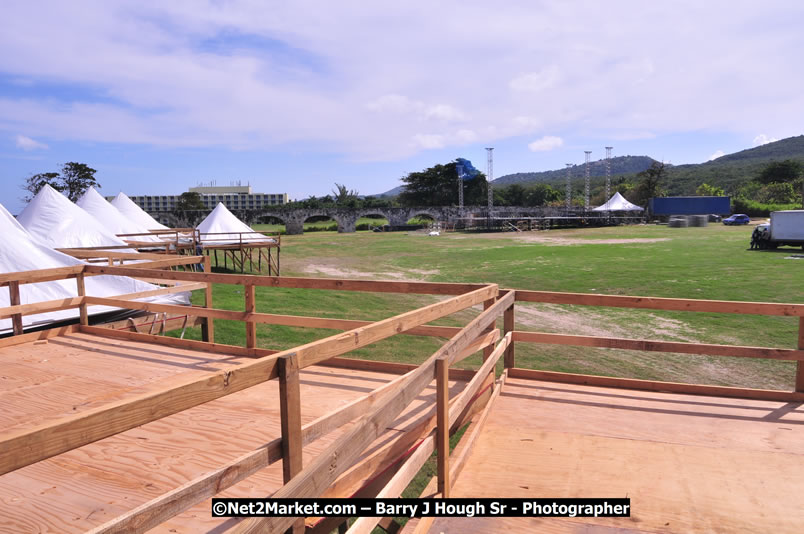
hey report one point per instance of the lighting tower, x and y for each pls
(490, 176)
(459, 168)
(608, 172)
(568, 195)
(586, 181)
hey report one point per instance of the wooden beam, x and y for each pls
(508, 321)
(376, 286)
(799, 384)
(660, 346)
(14, 300)
(655, 303)
(41, 275)
(251, 309)
(30, 337)
(653, 385)
(442, 425)
(290, 410)
(40, 307)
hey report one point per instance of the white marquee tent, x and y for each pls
(93, 203)
(20, 252)
(222, 227)
(618, 203)
(135, 213)
(52, 220)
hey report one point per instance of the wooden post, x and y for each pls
(251, 307)
(800, 364)
(82, 309)
(442, 420)
(508, 326)
(208, 326)
(488, 350)
(14, 300)
(290, 410)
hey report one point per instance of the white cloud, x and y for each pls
(26, 143)
(535, 81)
(444, 112)
(466, 136)
(763, 139)
(716, 155)
(428, 141)
(548, 142)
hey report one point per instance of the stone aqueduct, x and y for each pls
(346, 218)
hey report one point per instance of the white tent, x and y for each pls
(618, 203)
(93, 203)
(19, 252)
(54, 221)
(222, 227)
(135, 213)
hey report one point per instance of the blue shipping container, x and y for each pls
(690, 205)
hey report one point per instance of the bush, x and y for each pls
(758, 209)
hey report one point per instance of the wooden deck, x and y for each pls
(689, 463)
(83, 488)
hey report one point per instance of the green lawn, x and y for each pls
(706, 263)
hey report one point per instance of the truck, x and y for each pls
(785, 228)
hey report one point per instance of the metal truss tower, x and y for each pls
(459, 168)
(568, 194)
(608, 172)
(490, 176)
(586, 181)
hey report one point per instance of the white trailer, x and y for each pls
(785, 228)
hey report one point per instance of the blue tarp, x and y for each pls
(466, 170)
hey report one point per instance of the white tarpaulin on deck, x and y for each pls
(19, 252)
(222, 227)
(93, 203)
(54, 221)
(618, 203)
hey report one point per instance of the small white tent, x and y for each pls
(222, 227)
(135, 213)
(55, 222)
(93, 203)
(19, 252)
(618, 203)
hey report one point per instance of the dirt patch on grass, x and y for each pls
(565, 241)
(413, 275)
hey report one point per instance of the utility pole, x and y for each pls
(459, 168)
(608, 172)
(568, 193)
(490, 177)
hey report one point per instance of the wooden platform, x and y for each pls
(688, 463)
(86, 487)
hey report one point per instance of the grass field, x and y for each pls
(706, 263)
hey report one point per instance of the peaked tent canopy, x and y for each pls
(222, 227)
(93, 203)
(135, 213)
(19, 252)
(54, 221)
(618, 203)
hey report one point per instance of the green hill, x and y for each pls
(621, 165)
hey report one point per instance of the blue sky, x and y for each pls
(295, 96)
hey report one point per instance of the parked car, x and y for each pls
(737, 218)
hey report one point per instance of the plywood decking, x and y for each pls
(688, 463)
(86, 487)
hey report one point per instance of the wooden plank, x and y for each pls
(182, 288)
(655, 303)
(799, 385)
(376, 286)
(208, 327)
(344, 451)
(41, 275)
(14, 300)
(398, 482)
(660, 346)
(192, 344)
(651, 385)
(251, 308)
(30, 337)
(82, 253)
(83, 316)
(442, 425)
(40, 307)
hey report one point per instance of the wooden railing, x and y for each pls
(339, 470)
